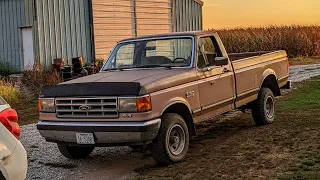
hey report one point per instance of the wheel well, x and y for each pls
(184, 112)
(271, 82)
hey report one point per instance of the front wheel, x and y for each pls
(172, 142)
(263, 109)
(75, 152)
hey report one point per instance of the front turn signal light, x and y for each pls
(143, 103)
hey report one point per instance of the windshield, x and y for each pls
(175, 52)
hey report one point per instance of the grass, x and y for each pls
(233, 147)
(305, 98)
(26, 108)
(9, 92)
(35, 78)
(296, 40)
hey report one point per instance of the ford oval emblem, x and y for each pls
(84, 108)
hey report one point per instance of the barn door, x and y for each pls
(153, 17)
(27, 48)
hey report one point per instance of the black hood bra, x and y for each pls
(92, 89)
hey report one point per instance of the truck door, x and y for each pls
(216, 83)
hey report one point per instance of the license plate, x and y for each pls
(85, 138)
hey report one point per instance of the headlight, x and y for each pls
(135, 104)
(127, 104)
(46, 105)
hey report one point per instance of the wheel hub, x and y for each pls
(269, 107)
(176, 140)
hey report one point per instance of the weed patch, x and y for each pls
(8, 92)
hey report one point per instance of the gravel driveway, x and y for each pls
(45, 161)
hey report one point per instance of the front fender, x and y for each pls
(177, 100)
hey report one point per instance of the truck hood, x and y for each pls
(127, 82)
(143, 76)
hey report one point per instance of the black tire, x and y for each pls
(172, 141)
(263, 109)
(75, 152)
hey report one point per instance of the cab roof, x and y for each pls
(188, 33)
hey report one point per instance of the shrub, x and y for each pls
(9, 92)
(6, 69)
(35, 78)
(296, 40)
(99, 63)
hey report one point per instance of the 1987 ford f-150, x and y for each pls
(152, 90)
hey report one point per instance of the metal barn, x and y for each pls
(41, 30)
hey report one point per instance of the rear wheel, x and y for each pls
(75, 152)
(263, 109)
(172, 142)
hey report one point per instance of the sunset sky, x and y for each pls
(243, 13)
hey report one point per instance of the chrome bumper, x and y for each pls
(105, 133)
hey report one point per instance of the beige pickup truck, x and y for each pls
(152, 90)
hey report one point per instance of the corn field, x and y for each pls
(296, 40)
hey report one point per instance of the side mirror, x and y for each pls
(211, 58)
(221, 61)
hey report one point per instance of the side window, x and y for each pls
(125, 56)
(208, 50)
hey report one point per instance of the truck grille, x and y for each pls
(87, 107)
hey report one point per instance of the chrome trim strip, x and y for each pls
(248, 92)
(196, 111)
(217, 104)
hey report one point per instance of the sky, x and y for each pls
(243, 13)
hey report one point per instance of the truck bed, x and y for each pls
(251, 67)
(238, 56)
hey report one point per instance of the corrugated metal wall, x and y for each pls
(63, 30)
(187, 15)
(11, 18)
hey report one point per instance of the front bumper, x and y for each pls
(105, 133)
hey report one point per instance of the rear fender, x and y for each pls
(270, 80)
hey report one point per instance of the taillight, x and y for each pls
(9, 118)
